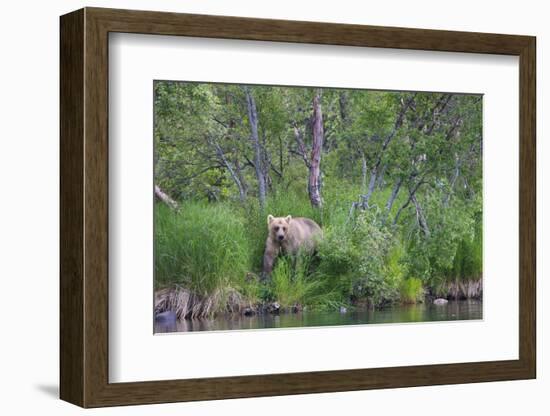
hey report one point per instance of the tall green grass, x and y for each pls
(291, 283)
(468, 260)
(411, 290)
(202, 247)
(298, 282)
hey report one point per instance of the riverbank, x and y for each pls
(396, 314)
(185, 304)
(459, 290)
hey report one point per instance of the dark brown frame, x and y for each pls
(84, 207)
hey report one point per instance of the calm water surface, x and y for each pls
(452, 311)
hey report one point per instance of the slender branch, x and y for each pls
(220, 122)
(274, 169)
(301, 146)
(412, 193)
(234, 176)
(420, 218)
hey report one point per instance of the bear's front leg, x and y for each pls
(269, 258)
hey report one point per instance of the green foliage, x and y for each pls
(292, 284)
(452, 248)
(361, 257)
(202, 247)
(373, 242)
(468, 261)
(425, 145)
(411, 290)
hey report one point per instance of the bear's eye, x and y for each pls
(276, 228)
(284, 228)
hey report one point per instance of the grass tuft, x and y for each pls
(411, 290)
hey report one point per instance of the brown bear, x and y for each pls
(287, 235)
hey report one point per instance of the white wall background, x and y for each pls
(29, 84)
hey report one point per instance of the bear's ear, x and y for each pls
(270, 218)
(288, 218)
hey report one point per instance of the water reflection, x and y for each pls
(425, 312)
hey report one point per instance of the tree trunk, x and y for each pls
(165, 198)
(266, 164)
(241, 183)
(301, 145)
(372, 183)
(343, 102)
(420, 218)
(363, 173)
(314, 183)
(456, 174)
(253, 120)
(380, 178)
(412, 195)
(281, 163)
(393, 196)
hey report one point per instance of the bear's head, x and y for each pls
(278, 227)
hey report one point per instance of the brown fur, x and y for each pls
(287, 235)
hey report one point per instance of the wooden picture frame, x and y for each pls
(84, 207)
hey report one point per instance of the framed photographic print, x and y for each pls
(255, 207)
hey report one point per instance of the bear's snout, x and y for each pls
(281, 237)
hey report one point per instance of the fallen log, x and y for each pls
(165, 198)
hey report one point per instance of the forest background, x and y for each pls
(393, 178)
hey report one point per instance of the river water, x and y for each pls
(422, 312)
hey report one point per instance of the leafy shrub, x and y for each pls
(356, 254)
(374, 243)
(433, 258)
